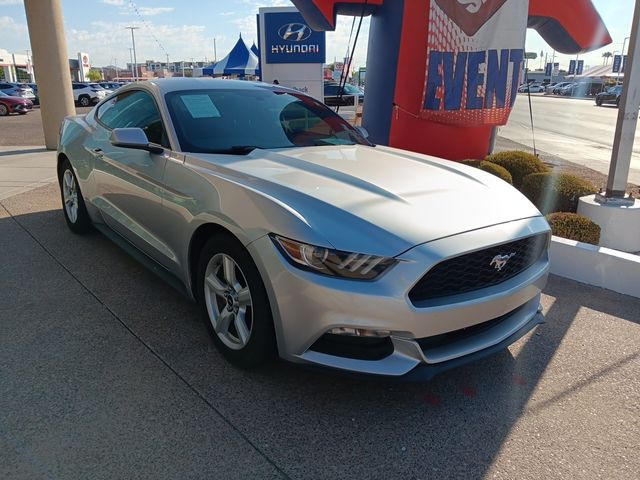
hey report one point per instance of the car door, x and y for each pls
(331, 94)
(129, 182)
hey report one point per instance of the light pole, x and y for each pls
(131, 59)
(135, 59)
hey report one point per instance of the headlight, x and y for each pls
(356, 266)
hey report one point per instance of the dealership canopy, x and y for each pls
(603, 71)
(239, 61)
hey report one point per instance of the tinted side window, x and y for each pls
(134, 109)
(331, 90)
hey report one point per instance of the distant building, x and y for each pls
(16, 67)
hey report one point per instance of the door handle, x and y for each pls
(97, 152)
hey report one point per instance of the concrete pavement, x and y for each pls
(106, 372)
(25, 168)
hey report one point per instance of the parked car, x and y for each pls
(110, 85)
(531, 88)
(335, 96)
(85, 94)
(555, 88)
(34, 87)
(17, 90)
(582, 89)
(11, 104)
(610, 96)
(297, 236)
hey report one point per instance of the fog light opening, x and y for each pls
(359, 332)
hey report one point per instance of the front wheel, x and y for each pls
(85, 101)
(75, 211)
(234, 303)
(4, 111)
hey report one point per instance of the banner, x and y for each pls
(580, 67)
(617, 63)
(474, 60)
(548, 69)
(84, 66)
(572, 67)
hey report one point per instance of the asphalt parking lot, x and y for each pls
(25, 129)
(107, 372)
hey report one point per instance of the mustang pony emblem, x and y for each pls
(473, 6)
(470, 15)
(500, 261)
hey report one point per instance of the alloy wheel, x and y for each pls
(70, 195)
(228, 301)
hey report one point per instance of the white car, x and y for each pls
(531, 88)
(87, 94)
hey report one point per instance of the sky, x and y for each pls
(186, 29)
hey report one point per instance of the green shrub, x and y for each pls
(518, 164)
(574, 227)
(472, 163)
(496, 170)
(556, 192)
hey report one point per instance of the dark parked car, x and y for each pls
(611, 96)
(10, 104)
(335, 96)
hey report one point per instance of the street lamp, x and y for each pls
(135, 59)
(131, 60)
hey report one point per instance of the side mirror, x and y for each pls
(133, 138)
(363, 131)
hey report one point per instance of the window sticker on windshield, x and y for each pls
(200, 106)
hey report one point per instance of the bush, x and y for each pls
(471, 162)
(574, 227)
(518, 164)
(496, 170)
(556, 192)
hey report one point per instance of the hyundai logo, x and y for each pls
(294, 32)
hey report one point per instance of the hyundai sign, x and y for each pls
(290, 40)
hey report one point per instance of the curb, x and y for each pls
(597, 266)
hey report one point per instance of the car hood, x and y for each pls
(386, 199)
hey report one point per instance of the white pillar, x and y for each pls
(49, 45)
(627, 118)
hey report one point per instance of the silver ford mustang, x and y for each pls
(298, 237)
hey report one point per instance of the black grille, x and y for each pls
(477, 270)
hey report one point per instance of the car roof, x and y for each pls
(166, 85)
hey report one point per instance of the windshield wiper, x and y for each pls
(236, 150)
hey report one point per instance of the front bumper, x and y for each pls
(306, 306)
(22, 107)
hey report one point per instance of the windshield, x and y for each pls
(351, 89)
(237, 120)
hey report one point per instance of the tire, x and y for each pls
(618, 102)
(236, 313)
(84, 101)
(73, 206)
(599, 102)
(4, 111)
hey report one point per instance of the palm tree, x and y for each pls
(606, 56)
